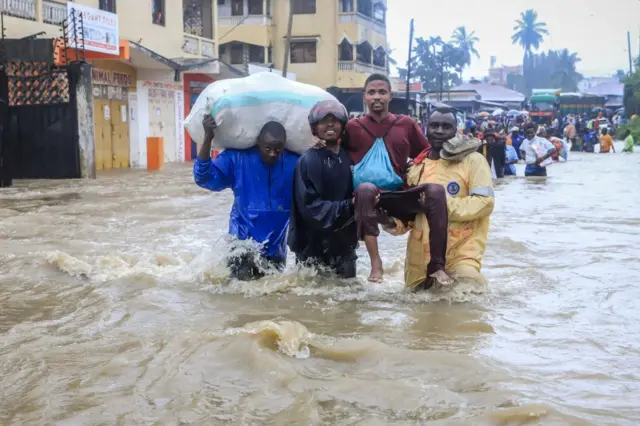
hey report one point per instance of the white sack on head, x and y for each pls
(241, 106)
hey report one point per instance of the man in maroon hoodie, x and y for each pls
(403, 140)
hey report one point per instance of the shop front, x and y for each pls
(112, 83)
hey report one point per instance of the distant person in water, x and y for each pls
(322, 230)
(606, 142)
(535, 151)
(380, 145)
(628, 141)
(454, 163)
(261, 179)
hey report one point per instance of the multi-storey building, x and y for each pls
(167, 51)
(334, 43)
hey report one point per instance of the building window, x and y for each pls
(237, 7)
(107, 5)
(268, 8)
(379, 12)
(346, 6)
(365, 7)
(364, 52)
(255, 7)
(221, 2)
(223, 49)
(301, 7)
(157, 12)
(197, 18)
(379, 57)
(237, 54)
(256, 54)
(303, 52)
(345, 51)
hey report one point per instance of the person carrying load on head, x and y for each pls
(380, 145)
(322, 231)
(261, 179)
(452, 162)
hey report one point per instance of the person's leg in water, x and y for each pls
(366, 199)
(244, 267)
(429, 199)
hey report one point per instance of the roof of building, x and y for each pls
(491, 92)
(607, 89)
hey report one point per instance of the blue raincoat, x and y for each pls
(262, 195)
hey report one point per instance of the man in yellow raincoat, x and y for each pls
(454, 163)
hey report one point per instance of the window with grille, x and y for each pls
(303, 52)
(379, 13)
(237, 54)
(255, 7)
(237, 7)
(346, 6)
(301, 7)
(256, 54)
(107, 5)
(379, 57)
(345, 51)
(157, 12)
(364, 53)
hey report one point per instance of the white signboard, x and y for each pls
(100, 29)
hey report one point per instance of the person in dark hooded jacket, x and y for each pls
(322, 230)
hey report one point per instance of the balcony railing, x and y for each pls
(199, 46)
(367, 21)
(232, 21)
(53, 12)
(360, 67)
(25, 9)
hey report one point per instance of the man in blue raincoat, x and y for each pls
(261, 179)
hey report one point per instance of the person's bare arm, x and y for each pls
(210, 126)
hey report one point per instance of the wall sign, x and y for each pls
(111, 78)
(100, 29)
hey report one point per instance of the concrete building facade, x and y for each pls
(144, 88)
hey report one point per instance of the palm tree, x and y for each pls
(466, 42)
(529, 33)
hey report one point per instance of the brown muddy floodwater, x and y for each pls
(115, 309)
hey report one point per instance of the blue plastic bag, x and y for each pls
(376, 168)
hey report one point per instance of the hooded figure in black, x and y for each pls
(322, 231)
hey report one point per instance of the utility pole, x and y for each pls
(409, 66)
(630, 55)
(287, 47)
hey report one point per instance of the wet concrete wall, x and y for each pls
(82, 97)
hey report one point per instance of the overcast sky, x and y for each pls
(595, 29)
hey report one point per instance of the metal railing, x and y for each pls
(25, 9)
(359, 67)
(53, 12)
(200, 46)
(367, 21)
(232, 21)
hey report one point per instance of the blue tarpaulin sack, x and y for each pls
(376, 167)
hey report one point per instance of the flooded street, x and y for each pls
(115, 308)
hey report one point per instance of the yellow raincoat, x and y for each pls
(470, 202)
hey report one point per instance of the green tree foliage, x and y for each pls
(433, 60)
(466, 41)
(632, 94)
(555, 69)
(529, 34)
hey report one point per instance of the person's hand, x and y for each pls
(422, 200)
(318, 143)
(384, 219)
(210, 127)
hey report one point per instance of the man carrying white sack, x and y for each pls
(261, 179)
